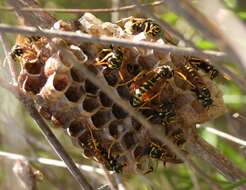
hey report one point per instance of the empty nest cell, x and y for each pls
(101, 117)
(76, 128)
(74, 93)
(90, 104)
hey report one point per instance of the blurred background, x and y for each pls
(18, 133)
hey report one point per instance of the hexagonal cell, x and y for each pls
(105, 100)
(123, 92)
(76, 75)
(116, 148)
(74, 93)
(111, 76)
(59, 120)
(75, 128)
(116, 128)
(90, 87)
(34, 84)
(133, 69)
(33, 68)
(139, 151)
(101, 117)
(129, 140)
(118, 112)
(90, 104)
(60, 82)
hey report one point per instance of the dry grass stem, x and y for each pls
(49, 162)
(103, 10)
(75, 37)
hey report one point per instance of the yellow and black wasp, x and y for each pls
(203, 96)
(163, 115)
(93, 149)
(147, 87)
(178, 137)
(22, 50)
(162, 153)
(112, 162)
(150, 28)
(16, 52)
(204, 66)
(167, 113)
(186, 70)
(134, 25)
(112, 58)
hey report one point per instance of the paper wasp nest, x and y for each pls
(170, 91)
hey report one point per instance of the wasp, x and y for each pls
(16, 52)
(111, 57)
(204, 96)
(137, 25)
(156, 151)
(102, 155)
(205, 66)
(190, 74)
(178, 137)
(152, 29)
(159, 152)
(167, 113)
(111, 161)
(164, 115)
(23, 51)
(132, 25)
(147, 90)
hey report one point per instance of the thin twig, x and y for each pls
(49, 162)
(75, 37)
(115, 15)
(103, 10)
(225, 136)
(211, 155)
(120, 185)
(111, 182)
